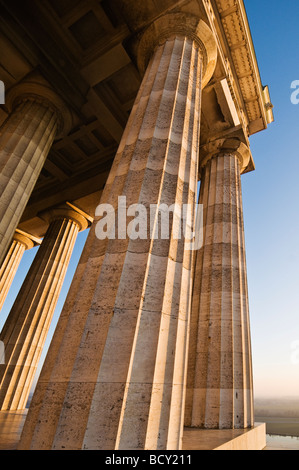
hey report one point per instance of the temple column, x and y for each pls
(20, 243)
(27, 325)
(219, 388)
(115, 374)
(37, 116)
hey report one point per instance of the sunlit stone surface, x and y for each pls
(143, 100)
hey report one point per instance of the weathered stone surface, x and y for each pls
(119, 351)
(27, 325)
(25, 140)
(118, 359)
(220, 389)
(37, 116)
(11, 263)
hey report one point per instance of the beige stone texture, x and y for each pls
(25, 141)
(27, 325)
(37, 116)
(253, 439)
(115, 373)
(12, 422)
(219, 388)
(11, 263)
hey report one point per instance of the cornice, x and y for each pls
(239, 59)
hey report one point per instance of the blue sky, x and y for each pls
(270, 197)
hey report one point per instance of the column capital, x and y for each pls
(65, 212)
(26, 239)
(224, 146)
(175, 25)
(35, 88)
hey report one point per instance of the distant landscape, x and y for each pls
(281, 415)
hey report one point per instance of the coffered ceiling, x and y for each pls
(84, 49)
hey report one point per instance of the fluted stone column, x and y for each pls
(21, 242)
(37, 116)
(26, 328)
(115, 374)
(220, 389)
